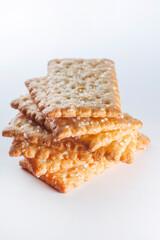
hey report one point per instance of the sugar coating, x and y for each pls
(65, 180)
(26, 106)
(20, 125)
(77, 88)
(67, 127)
(50, 159)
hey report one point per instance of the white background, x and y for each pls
(124, 202)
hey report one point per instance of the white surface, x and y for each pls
(124, 202)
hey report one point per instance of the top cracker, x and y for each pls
(77, 88)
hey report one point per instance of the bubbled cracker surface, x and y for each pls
(70, 127)
(41, 166)
(53, 157)
(77, 87)
(22, 128)
(26, 106)
(29, 150)
(142, 142)
(66, 180)
(129, 154)
(67, 127)
(93, 142)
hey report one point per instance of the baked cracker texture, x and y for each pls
(77, 88)
(71, 127)
(22, 128)
(65, 180)
(52, 156)
(26, 106)
(42, 161)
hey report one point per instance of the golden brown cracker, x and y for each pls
(77, 88)
(129, 154)
(65, 180)
(19, 148)
(95, 141)
(22, 128)
(26, 106)
(110, 151)
(43, 158)
(71, 127)
(41, 166)
(142, 142)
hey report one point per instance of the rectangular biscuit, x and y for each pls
(41, 166)
(95, 141)
(28, 150)
(43, 157)
(27, 107)
(65, 180)
(71, 127)
(22, 128)
(77, 88)
(19, 148)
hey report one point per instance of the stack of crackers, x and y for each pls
(70, 126)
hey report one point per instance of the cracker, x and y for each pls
(52, 154)
(43, 158)
(41, 166)
(70, 127)
(137, 143)
(67, 127)
(111, 151)
(129, 154)
(77, 88)
(22, 128)
(26, 106)
(94, 142)
(114, 150)
(142, 142)
(65, 180)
